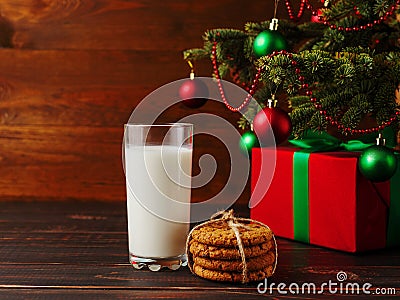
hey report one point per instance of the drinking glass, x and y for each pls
(158, 164)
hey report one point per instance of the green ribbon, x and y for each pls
(393, 231)
(300, 197)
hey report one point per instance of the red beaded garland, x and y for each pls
(221, 89)
(304, 85)
(289, 8)
(314, 12)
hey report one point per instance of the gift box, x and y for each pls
(322, 199)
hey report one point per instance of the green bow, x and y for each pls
(324, 142)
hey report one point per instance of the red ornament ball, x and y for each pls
(194, 93)
(270, 123)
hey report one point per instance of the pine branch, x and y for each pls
(296, 101)
(195, 54)
(224, 34)
(252, 109)
(300, 117)
(353, 115)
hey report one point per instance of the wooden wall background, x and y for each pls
(71, 72)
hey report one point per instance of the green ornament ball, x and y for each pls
(267, 42)
(377, 163)
(248, 141)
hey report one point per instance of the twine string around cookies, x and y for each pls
(235, 229)
(234, 225)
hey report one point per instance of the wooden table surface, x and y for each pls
(78, 250)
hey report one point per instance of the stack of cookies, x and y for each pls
(216, 252)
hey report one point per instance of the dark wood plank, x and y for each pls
(123, 294)
(61, 162)
(91, 245)
(71, 162)
(145, 24)
(154, 294)
(96, 88)
(124, 276)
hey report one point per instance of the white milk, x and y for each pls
(150, 189)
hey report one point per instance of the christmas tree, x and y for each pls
(339, 72)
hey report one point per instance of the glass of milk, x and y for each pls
(158, 165)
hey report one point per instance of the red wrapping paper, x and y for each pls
(346, 211)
